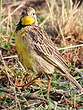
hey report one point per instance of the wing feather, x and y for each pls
(45, 47)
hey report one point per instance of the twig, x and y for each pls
(61, 32)
(51, 7)
(44, 21)
(12, 13)
(70, 47)
(8, 57)
(16, 99)
(6, 69)
(22, 66)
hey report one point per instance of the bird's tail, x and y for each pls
(71, 78)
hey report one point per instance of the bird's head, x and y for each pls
(28, 16)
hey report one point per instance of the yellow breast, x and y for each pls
(25, 54)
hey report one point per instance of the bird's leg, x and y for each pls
(49, 82)
(32, 81)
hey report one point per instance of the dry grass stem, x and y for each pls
(8, 57)
(44, 21)
(70, 47)
(12, 13)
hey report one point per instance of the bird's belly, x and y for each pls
(42, 66)
(24, 54)
(31, 59)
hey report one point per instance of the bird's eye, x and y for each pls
(33, 13)
(24, 12)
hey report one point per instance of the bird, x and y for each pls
(37, 51)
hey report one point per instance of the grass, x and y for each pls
(65, 28)
(0, 10)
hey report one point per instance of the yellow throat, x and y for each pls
(28, 20)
